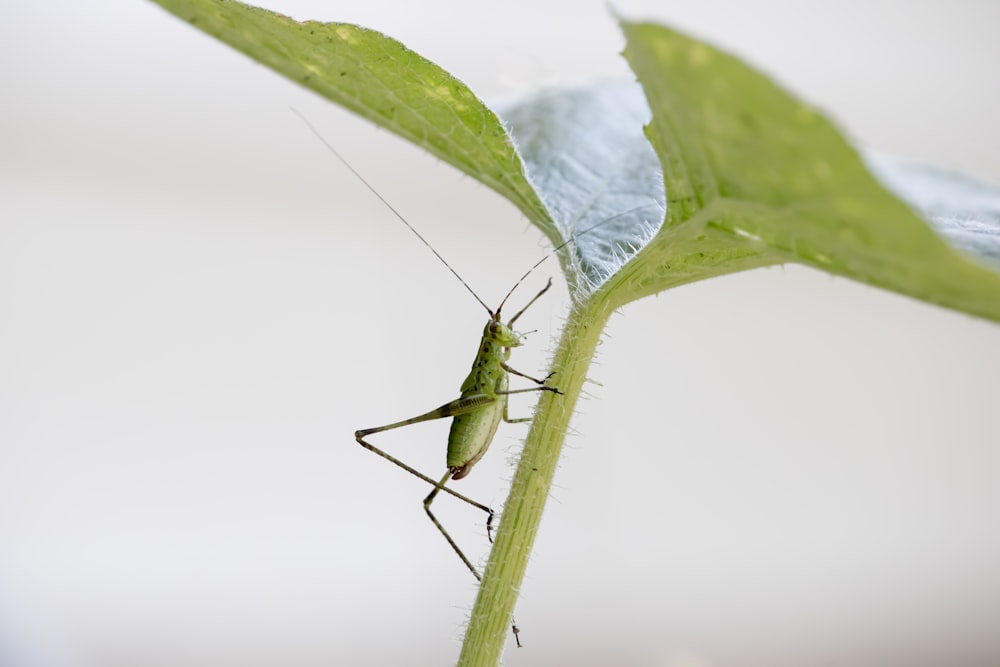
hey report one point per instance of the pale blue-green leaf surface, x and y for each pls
(962, 210)
(585, 154)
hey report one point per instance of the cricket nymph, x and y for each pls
(475, 414)
(472, 432)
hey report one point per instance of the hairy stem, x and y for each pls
(489, 626)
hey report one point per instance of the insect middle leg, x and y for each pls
(506, 403)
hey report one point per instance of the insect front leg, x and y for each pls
(518, 373)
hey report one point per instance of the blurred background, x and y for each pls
(199, 305)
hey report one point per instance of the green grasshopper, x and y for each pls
(477, 414)
(482, 404)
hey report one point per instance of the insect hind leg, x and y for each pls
(489, 524)
(438, 486)
(489, 532)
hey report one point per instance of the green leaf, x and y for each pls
(586, 154)
(755, 177)
(752, 176)
(380, 79)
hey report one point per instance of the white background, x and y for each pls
(199, 305)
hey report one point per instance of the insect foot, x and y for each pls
(546, 387)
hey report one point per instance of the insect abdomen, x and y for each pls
(472, 433)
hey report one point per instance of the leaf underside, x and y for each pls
(585, 154)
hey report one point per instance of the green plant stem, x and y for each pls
(489, 625)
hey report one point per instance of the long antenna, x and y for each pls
(390, 207)
(571, 239)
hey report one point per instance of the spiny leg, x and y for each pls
(456, 407)
(472, 568)
(427, 508)
(506, 403)
(526, 390)
(438, 486)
